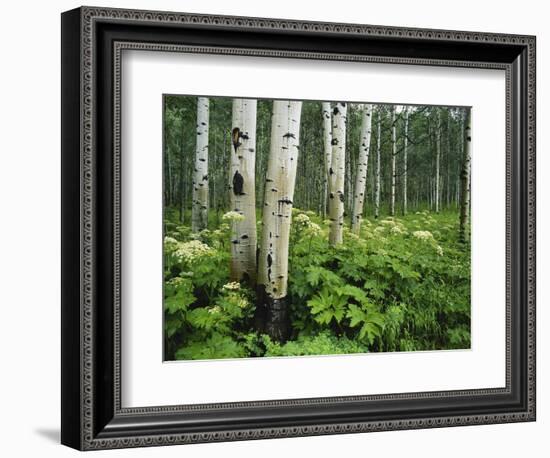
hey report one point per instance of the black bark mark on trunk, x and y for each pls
(235, 136)
(238, 183)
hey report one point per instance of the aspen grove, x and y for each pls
(314, 227)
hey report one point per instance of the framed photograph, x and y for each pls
(276, 228)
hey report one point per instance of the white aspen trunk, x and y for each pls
(393, 158)
(405, 165)
(337, 174)
(348, 183)
(276, 219)
(448, 159)
(362, 167)
(460, 153)
(465, 178)
(327, 148)
(377, 175)
(169, 187)
(437, 160)
(199, 217)
(242, 195)
(182, 187)
(348, 186)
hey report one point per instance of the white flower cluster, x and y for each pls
(170, 243)
(314, 229)
(392, 225)
(396, 230)
(189, 251)
(232, 286)
(176, 281)
(242, 302)
(214, 310)
(233, 216)
(302, 219)
(439, 250)
(423, 235)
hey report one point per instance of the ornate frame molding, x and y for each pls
(89, 434)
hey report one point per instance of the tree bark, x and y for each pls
(393, 158)
(272, 313)
(362, 168)
(348, 182)
(377, 177)
(182, 186)
(199, 218)
(405, 159)
(337, 174)
(448, 159)
(242, 195)
(465, 178)
(437, 161)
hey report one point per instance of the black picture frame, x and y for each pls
(92, 40)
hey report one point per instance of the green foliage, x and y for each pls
(323, 343)
(403, 284)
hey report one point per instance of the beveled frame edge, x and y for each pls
(121, 46)
(82, 436)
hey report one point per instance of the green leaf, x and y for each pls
(201, 318)
(178, 295)
(356, 315)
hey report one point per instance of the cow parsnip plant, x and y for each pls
(401, 284)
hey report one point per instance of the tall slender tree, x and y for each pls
(465, 177)
(448, 150)
(199, 218)
(437, 161)
(405, 159)
(377, 175)
(242, 195)
(182, 187)
(362, 168)
(393, 159)
(337, 173)
(327, 149)
(272, 312)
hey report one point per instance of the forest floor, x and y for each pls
(402, 284)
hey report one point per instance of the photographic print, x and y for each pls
(225, 207)
(295, 228)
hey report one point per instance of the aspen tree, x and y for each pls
(327, 150)
(337, 174)
(465, 177)
(377, 175)
(272, 313)
(405, 159)
(361, 177)
(242, 195)
(393, 159)
(199, 217)
(437, 160)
